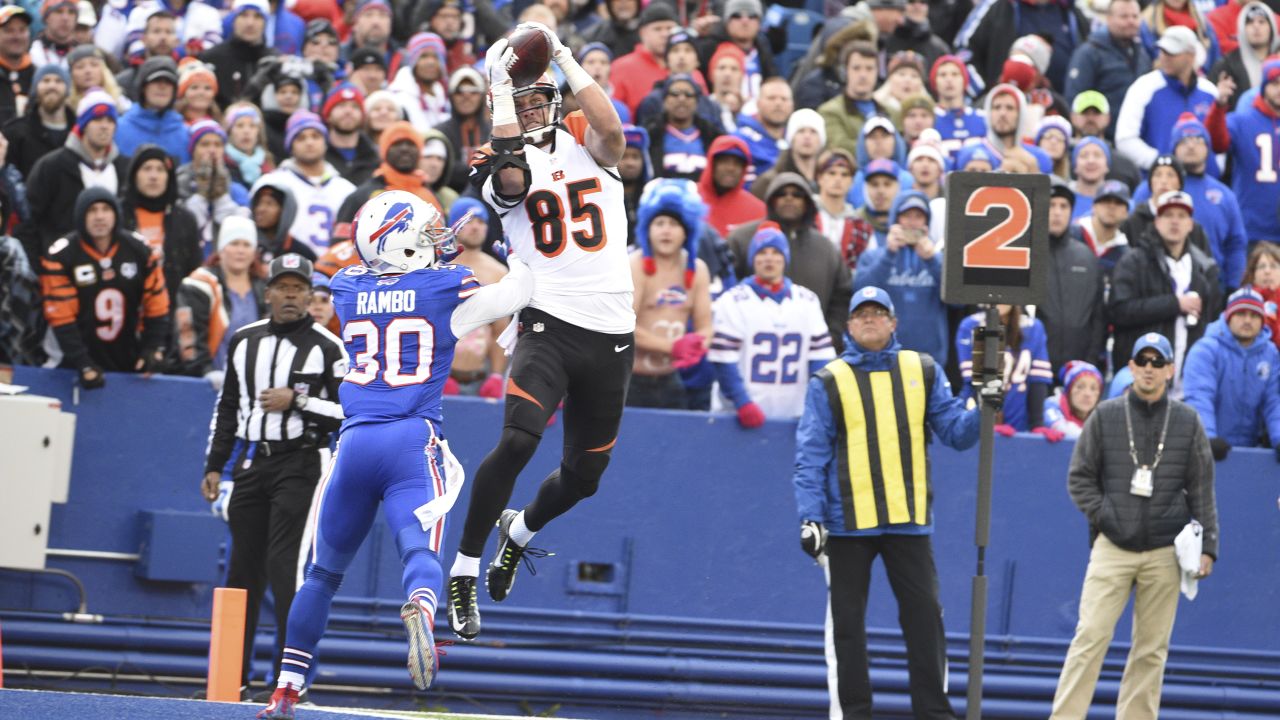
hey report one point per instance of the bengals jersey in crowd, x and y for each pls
(104, 308)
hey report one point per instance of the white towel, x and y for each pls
(1189, 546)
(507, 340)
(454, 478)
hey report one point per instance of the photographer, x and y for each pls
(909, 268)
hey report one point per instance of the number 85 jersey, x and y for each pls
(571, 229)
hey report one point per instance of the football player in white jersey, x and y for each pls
(556, 187)
(770, 336)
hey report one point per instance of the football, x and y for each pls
(533, 56)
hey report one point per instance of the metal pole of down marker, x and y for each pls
(991, 352)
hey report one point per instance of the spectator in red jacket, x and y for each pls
(721, 185)
(635, 73)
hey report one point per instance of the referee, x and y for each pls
(863, 489)
(276, 410)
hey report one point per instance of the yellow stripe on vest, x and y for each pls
(895, 491)
(917, 397)
(864, 497)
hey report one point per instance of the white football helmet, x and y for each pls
(397, 231)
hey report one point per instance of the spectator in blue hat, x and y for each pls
(879, 140)
(1232, 377)
(597, 59)
(1103, 227)
(681, 60)
(1090, 162)
(909, 269)
(882, 186)
(854, 504)
(635, 169)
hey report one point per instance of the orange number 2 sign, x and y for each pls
(991, 248)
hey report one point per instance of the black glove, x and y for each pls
(992, 394)
(150, 360)
(813, 539)
(1220, 448)
(92, 377)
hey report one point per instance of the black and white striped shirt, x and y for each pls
(301, 356)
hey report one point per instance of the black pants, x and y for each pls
(554, 360)
(908, 560)
(267, 514)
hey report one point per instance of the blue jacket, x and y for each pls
(816, 478)
(1258, 200)
(857, 195)
(916, 288)
(1151, 105)
(1236, 390)
(1099, 64)
(139, 126)
(1219, 213)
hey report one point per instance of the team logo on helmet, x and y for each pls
(397, 219)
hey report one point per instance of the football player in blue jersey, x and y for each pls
(402, 310)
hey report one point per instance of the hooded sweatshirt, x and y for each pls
(161, 221)
(278, 241)
(1026, 126)
(1242, 62)
(736, 206)
(164, 127)
(857, 196)
(1236, 390)
(915, 285)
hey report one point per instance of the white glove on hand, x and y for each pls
(223, 503)
(497, 62)
(559, 53)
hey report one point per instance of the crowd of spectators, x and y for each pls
(156, 154)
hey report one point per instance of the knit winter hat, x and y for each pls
(882, 166)
(299, 121)
(593, 47)
(1187, 126)
(1246, 298)
(49, 69)
(422, 42)
(1085, 142)
(1271, 69)
(729, 50)
(1019, 72)
(680, 199)
(342, 92)
(1054, 122)
(943, 60)
(95, 104)
(638, 138)
(80, 52)
(806, 118)
(239, 112)
(768, 234)
(378, 96)
(982, 150)
(1076, 369)
(49, 6)
(200, 128)
(191, 70)
(236, 228)
(1034, 48)
(1172, 162)
(466, 73)
(926, 150)
(394, 133)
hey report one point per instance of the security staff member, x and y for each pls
(862, 490)
(277, 407)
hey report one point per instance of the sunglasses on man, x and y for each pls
(1154, 361)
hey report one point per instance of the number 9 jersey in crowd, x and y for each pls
(571, 228)
(400, 331)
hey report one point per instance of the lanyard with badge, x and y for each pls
(1141, 485)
